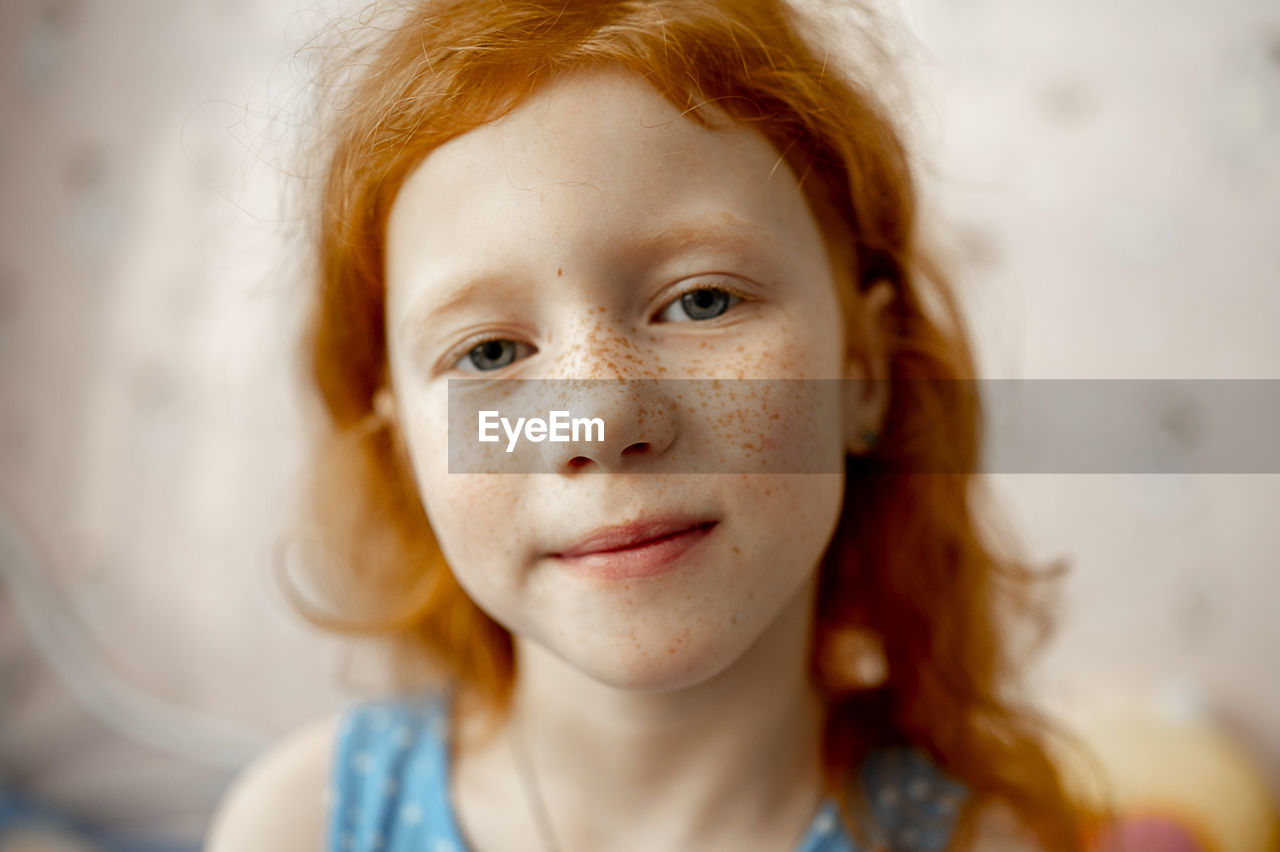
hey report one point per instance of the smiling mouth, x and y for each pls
(635, 534)
(657, 539)
(650, 556)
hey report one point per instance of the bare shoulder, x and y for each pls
(997, 829)
(278, 803)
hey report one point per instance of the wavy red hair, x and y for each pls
(909, 560)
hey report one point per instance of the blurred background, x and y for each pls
(1104, 176)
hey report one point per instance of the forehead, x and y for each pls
(589, 125)
(593, 162)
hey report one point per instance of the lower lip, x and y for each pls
(650, 559)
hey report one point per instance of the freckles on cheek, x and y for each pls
(463, 509)
(762, 360)
(780, 415)
(806, 341)
(778, 426)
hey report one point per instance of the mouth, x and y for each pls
(633, 535)
(640, 549)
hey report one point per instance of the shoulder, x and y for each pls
(278, 803)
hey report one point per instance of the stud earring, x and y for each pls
(865, 443)
(854, 660)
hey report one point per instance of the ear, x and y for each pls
(866, 386)
(388, 414)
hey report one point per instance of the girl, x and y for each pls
(647, 190)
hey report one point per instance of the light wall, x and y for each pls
(1105, 178)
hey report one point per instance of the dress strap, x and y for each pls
(389, 789)
(389, 778)
(914, 805)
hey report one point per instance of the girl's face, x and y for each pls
(565, 234)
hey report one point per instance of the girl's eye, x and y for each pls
(488, 355)
(698, 304)
(703, 303)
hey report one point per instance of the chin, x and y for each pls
(665, 666)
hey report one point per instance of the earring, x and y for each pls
(382, 417)
(866, 442)
(384, 405)
(854, 659)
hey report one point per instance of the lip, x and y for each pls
(643, 548)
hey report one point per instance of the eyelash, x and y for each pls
(735, 295)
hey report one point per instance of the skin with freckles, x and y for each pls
(595, 233)
(619, 203)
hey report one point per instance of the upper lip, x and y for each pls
(633, 534)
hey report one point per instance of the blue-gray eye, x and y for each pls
(703, 303)
(492, 354)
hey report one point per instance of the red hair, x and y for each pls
(909, 559)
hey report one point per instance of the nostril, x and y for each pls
(579, 461)
(636, 448)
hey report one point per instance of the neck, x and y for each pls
(737, 755)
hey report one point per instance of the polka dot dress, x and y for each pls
(389, 789)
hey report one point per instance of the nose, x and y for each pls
(618, 425)
(606, 379)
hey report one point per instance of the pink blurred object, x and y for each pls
(1148, 834)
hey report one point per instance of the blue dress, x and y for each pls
(388, 789)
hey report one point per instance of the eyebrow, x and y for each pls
(712, 230)
(473, 289)
(716, 229)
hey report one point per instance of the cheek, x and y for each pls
(463, 511)
(484, 542)
(790, 518)
(783, 416)
(780, 425)
(790, 346)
